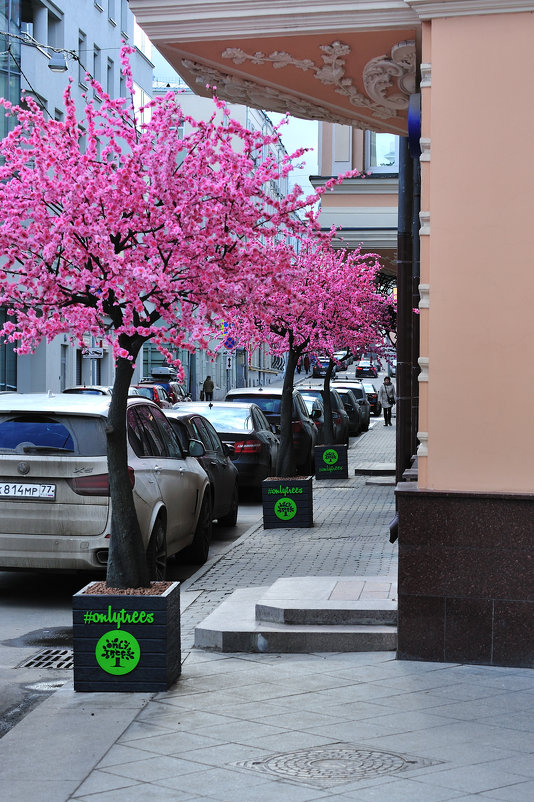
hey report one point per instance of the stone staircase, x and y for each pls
(305, 614)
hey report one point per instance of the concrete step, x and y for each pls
(235, 626)
(323, 601)
(375, 469)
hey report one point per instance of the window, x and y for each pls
(381, 152)
(109, 77)
(124, 17)
(82, 54)
(111, 11)
(97, 66)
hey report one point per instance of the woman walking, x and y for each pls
(386, 397)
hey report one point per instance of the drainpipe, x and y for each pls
(404, 311)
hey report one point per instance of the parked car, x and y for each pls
(371, 392)
(156, 393)
(216, 461)
(89, 389)
(361, 397)
(367, 367)
(392, 367)
(344, 360)
(55, 510)
(352, 409)
(315, 409)
(174, 390)
(320, 366)
(340, 418)
(304, 430)
(245, 430)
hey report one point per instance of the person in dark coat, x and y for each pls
(207, 389)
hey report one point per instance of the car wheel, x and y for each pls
(197, 552)
(230, 519)
(156, 553)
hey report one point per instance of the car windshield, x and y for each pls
(148, 392)
(267, 404)
(32, 433)
(228, 419)
(85, 391)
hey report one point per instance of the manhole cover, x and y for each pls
(322, 767)
(49, 658)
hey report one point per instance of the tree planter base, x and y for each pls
(331, 462)
(287, 502)
(125, 642)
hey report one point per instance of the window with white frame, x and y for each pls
(381, 152)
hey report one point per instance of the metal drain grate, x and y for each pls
(50, 658)
(322, 767)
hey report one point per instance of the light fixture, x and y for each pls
(58, 62)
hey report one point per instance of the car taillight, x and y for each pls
(297, 426)
(247, 447)
(96, 485)
(337, 417)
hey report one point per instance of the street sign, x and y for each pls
(228, 363)
(92, 353)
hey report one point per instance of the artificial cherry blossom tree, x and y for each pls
(332, 300)
(132, 232)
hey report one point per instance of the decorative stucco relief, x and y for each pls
(249, 93)
(378, 74)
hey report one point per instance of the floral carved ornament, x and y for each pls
(378, 74)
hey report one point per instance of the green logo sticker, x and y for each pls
(285, 509)
(117, 652)
(330, 456)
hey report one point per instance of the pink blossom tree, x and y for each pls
(132, 232)
(332, 300)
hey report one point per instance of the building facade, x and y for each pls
(453, 79)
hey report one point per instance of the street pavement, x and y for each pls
(273, 727)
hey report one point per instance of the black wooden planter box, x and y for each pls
(331, 462)
(126, 642)
(287, 502)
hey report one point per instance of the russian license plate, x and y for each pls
(24, 490)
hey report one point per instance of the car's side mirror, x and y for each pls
(315, 414)
(227, 450)
(196, 448)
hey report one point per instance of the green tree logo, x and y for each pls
(117, 652)
(285, 509)
(330, 456)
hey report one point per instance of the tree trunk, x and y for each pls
(328, 421)
(286, 459)
(127, 564)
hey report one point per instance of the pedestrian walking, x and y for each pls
(306, 363)
(386, 397)
(207, 389)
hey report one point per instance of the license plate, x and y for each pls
(23, 490)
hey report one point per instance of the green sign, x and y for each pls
(330, 456)
(285, 509)
(117, 652)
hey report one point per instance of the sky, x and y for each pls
(296, 134)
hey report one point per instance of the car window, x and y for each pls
(154, 442)
(214, 437)
(229, 419)
(269, 405)
(31, 432)
(261, 420)
(180, 430)
(171, 441)
(148, 392)
(202, 434)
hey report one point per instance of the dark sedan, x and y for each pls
(247, 433)
(340, 419)
(361, 398)
(352, 409)
(372, 396)
(216, 461)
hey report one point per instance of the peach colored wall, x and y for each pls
(479, 187)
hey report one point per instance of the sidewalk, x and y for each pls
(270, 727)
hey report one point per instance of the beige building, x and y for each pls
(466, 591)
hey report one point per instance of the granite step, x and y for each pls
(235, 626)
(362, 601)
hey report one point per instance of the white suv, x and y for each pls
(54, 491)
